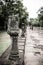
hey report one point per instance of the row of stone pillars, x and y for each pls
(14, 54)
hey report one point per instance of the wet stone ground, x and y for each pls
(34, 47)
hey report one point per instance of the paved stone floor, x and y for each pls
(33, 48)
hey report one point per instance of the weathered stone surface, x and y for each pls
(34, 47)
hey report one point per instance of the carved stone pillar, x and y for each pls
(13, 31)
(14, 55)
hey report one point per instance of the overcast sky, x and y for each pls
(32, 7)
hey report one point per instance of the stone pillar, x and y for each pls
(23, 33)
(13, 31)
(14, 55)
(23, 30)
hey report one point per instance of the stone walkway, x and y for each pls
(5, 42)
(21, 46)
(33, 48)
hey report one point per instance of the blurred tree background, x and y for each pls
(40, 16)
(39, 20)
(9, 7)
(34, 22)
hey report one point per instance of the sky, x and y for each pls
(32, 7)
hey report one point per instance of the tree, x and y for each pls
(40, 16)
(34, 22)
(14, 7)
(1, 16)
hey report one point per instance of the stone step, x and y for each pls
(14, 58)
(21, 39)
(21, 45)
(21, 49)
(14, 53)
